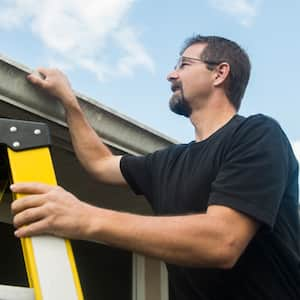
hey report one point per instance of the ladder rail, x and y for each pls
(49, 260)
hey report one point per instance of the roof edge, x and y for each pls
(116, 129)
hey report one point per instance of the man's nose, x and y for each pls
(172, 75)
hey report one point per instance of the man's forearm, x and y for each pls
(194, 240)
(214, 239)
(87, 144)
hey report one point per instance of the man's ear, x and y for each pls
(221, 73)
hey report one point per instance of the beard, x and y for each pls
(178, 103)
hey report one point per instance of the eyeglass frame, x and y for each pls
(181, 58)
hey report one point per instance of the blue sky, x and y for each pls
(120, 51)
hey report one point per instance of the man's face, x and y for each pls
(191, 82)
(177, 102)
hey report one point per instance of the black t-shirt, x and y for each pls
(247, 165)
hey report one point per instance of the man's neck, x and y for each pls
(209, 119)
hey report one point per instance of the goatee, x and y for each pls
(177, 103)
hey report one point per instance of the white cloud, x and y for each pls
(243, 10)
(81, 33)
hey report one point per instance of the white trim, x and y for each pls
(164, 285)
(138, 277)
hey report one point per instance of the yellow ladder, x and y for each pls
(49, 260)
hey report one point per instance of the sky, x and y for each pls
(119, 52)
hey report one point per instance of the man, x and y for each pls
(226, 204)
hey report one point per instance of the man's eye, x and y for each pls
(183, 65)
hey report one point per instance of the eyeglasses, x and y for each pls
(182, 60)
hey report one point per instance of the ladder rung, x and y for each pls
(8, 292)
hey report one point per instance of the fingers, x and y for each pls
(54, 82)
(39, 77)
(33, 78)
(28, 216)
(27, 202)
(35, 213)
(27, 212)
(33, 229)
(29, 209)
(31, 188)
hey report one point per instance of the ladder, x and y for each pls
(49, 260)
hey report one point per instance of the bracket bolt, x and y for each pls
(37, 131)
(16, 144)
(13, 129)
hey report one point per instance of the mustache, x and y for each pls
(175, 86)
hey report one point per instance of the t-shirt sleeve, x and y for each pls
(136, 172)
(253, 176)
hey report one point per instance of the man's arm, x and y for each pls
(95, 157)
(215, 239)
